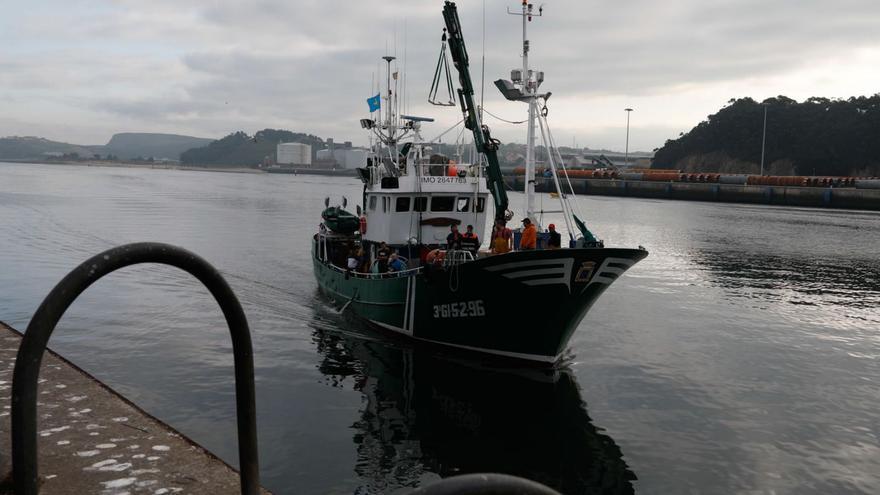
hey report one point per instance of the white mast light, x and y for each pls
(528, 94)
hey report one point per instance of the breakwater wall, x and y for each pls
(826, 197)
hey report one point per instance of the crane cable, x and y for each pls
(442, 64)
(504, 120)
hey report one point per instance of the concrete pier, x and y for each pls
(92, 440)
(825, 197)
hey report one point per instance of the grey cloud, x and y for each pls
(307, 65)
(241, 88)
(650, 47)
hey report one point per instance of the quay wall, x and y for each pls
(825, 197)
(93, 440)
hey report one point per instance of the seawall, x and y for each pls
(824, 197)
(94, 440)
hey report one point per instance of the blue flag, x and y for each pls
(374, 103)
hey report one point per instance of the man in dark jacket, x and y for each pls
(382, 255)
(470, 241)
(554, 241)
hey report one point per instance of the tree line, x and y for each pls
(819, 136)
(239, 148)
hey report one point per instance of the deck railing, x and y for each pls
(404, 273)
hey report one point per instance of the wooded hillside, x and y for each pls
(817, 136)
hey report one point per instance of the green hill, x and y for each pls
(125, 146)
(241, 149)
(128, 145)
(818, 136)
(36, 148)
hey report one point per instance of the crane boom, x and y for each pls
(482, 138)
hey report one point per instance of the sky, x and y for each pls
(79, 71)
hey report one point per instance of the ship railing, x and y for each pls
(452, 169)
(456, 257)
(405, 273)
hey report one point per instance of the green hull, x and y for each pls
(524, 304)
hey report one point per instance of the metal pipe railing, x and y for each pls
(405, 273)
(33, 345)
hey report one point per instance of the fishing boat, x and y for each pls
(522, 304)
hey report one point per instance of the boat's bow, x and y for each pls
(523, 304)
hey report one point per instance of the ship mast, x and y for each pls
(389, 130)
(390, 117)
(530, 83)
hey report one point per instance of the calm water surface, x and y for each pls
(743, 355)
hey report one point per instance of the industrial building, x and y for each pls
(296, 154)
(349, 158)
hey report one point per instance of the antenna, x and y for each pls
(403, 76)
(524, 87)
(483, 64)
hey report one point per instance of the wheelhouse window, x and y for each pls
(480, 205)
(373, 203)
(463, 203)
(442, 203)
(402, 204)
(385, 204)
(420, 204)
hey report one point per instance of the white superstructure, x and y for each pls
(412, 196)
(418, 205)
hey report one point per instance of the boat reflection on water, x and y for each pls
(426, 415)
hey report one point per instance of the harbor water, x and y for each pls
(743, 355)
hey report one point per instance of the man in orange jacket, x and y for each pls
(529, 239)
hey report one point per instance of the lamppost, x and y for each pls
(626, 153)
(763, 138)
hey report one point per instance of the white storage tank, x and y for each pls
(294, 154)
(324, 155)
(346, 157)
(355, 158)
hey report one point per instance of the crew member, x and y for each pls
(396, 264)
(529, 239)
(363, 260)
(353, 263)
(453, 240)
(554, 241)
(501, 238)
(382, 256)
(470, 242)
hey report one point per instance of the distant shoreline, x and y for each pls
(159, 166)
(195, 168)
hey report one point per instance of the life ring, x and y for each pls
(435, 257)
(362, 227)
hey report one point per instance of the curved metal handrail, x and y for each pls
(33, 345)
